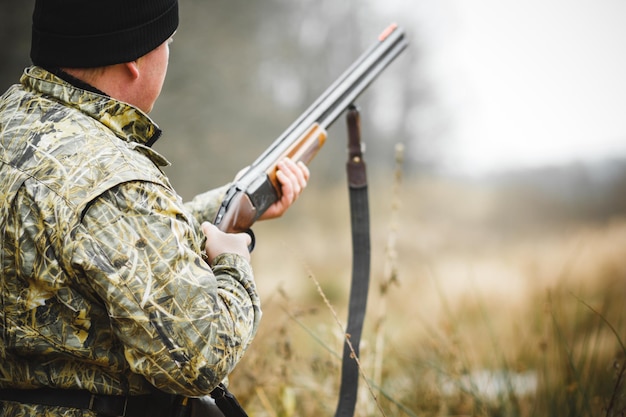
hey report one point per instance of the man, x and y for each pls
(109, 284)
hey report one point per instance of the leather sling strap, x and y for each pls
(359, 213)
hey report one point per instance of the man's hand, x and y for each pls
(218, 242)
(293, 179)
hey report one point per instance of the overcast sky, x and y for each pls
(528, 82)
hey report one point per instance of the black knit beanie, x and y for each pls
(95, 33)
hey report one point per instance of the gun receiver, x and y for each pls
(252, 193)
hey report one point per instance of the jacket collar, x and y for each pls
(127, 122)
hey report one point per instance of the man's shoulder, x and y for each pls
(69, 152)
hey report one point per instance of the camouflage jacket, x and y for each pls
(101, 280)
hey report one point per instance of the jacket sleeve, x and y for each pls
(181, 323)
(204, 206)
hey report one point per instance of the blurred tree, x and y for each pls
(15, 18)
(240, 72)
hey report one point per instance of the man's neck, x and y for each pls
(76, 82)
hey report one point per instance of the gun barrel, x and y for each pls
(255, 183)
(329, 106)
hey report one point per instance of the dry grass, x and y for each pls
(471, 313)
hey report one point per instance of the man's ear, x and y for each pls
(133, 69)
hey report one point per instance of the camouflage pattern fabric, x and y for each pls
(102, 285)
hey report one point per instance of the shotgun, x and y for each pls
(257, 188)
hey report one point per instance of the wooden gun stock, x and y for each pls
(303, 150)
(250, 195)
(241, 212)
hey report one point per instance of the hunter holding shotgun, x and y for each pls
(117, 298)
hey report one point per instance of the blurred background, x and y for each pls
(496, 148)
(486, 86)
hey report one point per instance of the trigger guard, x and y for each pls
(253, 240)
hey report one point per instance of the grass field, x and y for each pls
(482, 303)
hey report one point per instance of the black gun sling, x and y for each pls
(359, 287)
